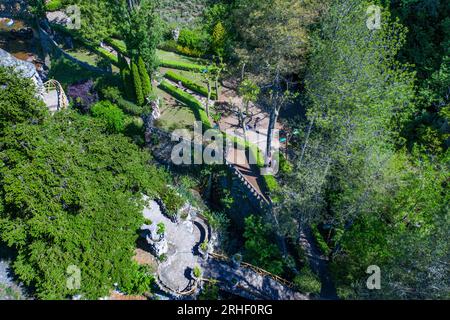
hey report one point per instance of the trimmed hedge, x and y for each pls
(182, 66)
(105, 54)
(186, 98)
(117, 45)
(140, 99)
(189, 84)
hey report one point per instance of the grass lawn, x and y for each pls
(194, 76)
(174, 114)
(68, 72)
(166, 55)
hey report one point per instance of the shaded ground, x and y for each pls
(247, 283)
(319, 264)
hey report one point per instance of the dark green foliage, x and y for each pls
(140, 99)
(260, 249)
(189, 84)
(145, 78)
(17, 102)
(71, 196)
(172, 201)
(307, 282)
(210, 292)
(110, 114)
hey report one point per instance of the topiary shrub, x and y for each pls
(110, 114)
(145, 78)
(137, 84)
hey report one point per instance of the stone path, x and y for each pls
(183, 238)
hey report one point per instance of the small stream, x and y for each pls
(19, 39)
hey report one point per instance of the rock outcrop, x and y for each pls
(26, 69)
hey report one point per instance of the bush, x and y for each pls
(194, 104)
(145, 79)
(194, 39)
(82, 95)
(182, 66)
(129, 107)
(189, 84)
(137, 84)
(110, 114)
(128, 86)
(308, 282)
(189, 52)
(172, 201)
(54, 5)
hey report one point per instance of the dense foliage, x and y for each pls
(70, 196)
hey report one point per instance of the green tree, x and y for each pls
(219, 36)
(140, 98)
(140, 27)
(71, 197)
(17, 101)
(145, 78)
(259, 248)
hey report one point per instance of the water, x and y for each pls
(21, 48)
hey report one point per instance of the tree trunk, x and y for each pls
(209, 98)
(217, 89)
(270, 131)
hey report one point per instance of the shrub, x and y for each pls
(172, 201)
(128, 86)
(194, 104)
(83, 95)
(308, 282)
(189, 84)
(110, 114)
(285, 166)
(161, 228)
(209, 292)
(197, 272)
(182, 65)
(129, 107)
(54, 5)
(189, 52)
(194, 39)
(137, 84)
(145, 79)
